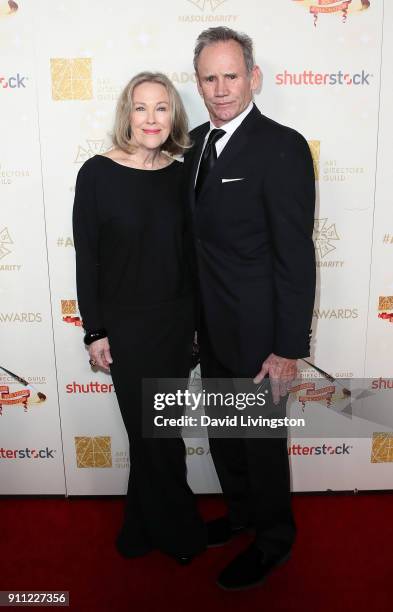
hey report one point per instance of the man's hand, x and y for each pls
(99, 352)
(282, 372)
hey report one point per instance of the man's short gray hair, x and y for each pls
(223, 34)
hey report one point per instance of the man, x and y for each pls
(252, 192)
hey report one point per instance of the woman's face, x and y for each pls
(150, 118)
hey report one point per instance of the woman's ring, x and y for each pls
(92, 362)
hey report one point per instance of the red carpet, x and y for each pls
(342, 559)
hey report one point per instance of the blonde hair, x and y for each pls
(177, 141)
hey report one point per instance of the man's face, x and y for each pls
(223, 81)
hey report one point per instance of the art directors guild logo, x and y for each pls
(382, 448)
(332, 169)
(93, 452)
(96, 452)
(342, 8)
(71, 78)
(209, 11)
(325, 239)
(107, 89)
(8, 176)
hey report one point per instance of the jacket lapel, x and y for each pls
(194, 163)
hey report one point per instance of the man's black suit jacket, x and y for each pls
(254, 252)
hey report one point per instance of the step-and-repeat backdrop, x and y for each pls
(326, 72)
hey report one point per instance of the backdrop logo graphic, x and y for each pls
(121, 460)
(69, 310)
(93, 452)
(7, 8)
(5, 242)
(387, 238)
(212, 4)
(90, 387)
(385, 308)
(182, 77)
(20, 317)
(15, 81)
(382, 383)
(307, 373)
(382, 448)
(324, 237)
(27, 396)
(319, 79)
(207, 12)
(341, 7)
(107, 88)
(8, 176)
(336, 172)
(71, 79)
(65, 241)
(93, 147)
(309, 392)
(335, 313)
(27, 453)
(322, 449)
(315, 148)
(197, 451)
(10, 379)
(13, 398)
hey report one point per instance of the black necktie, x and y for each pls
(208, 159)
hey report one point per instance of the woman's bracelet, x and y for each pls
(96, 334)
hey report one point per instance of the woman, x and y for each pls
(135, 300)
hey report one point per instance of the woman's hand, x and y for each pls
(100, 353)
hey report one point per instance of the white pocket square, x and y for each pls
(231, 180)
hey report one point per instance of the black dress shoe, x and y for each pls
(130, 544)
(249, 569)
(183, 559)
(186, 558)
(220, 531)
(130, 552)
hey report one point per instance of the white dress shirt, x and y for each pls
(229, 128)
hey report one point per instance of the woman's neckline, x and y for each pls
(136, 169)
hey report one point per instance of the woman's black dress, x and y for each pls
(133, 280)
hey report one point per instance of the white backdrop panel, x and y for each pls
(75, 58)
